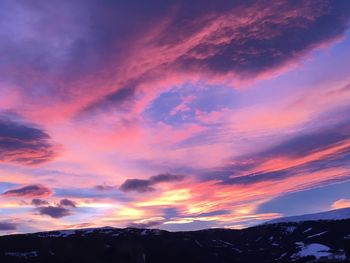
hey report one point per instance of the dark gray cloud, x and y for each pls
(35, 190)
(54, 211)
(67, 203)
(5, 226)
(142, 185)
(23, 144)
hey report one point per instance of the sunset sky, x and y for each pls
(172, 114)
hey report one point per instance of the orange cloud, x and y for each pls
(341, 203)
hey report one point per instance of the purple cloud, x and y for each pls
(67, 203)
(39, 202)
(148, 223)
(104, 187)
(5, 226)
(35, 190)
(141, 185)
(54, 211)
(23, 144)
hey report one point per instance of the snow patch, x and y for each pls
(282, 256)
(197, 242)
(308, 230)
(62, 233)
(316, 250)
(145, 232)
(316, 235)
(29, 254)
(290, 229)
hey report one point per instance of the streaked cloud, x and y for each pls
(141, 185)
(39, 202)
(305, 153)
(36, 190)
(23, 144)
(148, 223)
(6, 226)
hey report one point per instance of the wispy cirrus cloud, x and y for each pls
(324, 148)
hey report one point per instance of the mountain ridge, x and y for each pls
(297, 242)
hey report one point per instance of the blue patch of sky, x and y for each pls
(206, 99)
(317, 69)
(308, 201)
(4, 186)
(14, 211)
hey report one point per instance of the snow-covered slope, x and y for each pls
(337, 214)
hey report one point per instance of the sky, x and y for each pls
(172, 114)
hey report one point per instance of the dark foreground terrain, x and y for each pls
(310, 241)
